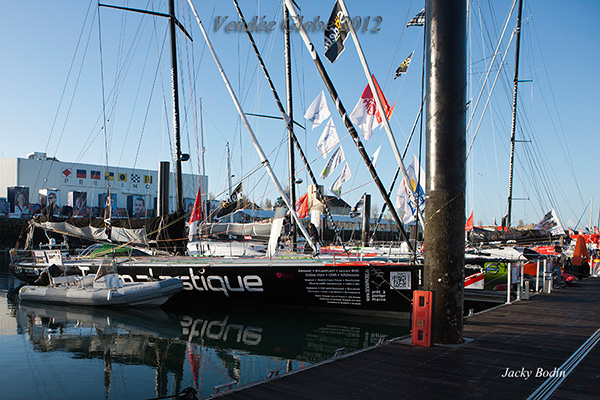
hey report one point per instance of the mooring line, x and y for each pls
(545, 390)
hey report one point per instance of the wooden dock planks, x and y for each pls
(540, 333)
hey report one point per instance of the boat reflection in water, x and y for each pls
(203, 348)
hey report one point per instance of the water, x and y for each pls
(53, 352)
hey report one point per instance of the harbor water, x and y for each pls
(57, 352)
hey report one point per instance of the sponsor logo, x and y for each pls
(210, 283)
(492, 269)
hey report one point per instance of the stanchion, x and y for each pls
(520, 291)
(508, 281)
(537, 276)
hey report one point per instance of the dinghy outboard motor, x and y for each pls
(44, 278)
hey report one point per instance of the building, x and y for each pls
(38, 181)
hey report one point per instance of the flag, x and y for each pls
(550, 223)
(336, 187)
(364, 114)
(66, 172)
(196, 216)
(318, 111)
(95, 174)
(403, 198)
(135, 178)
(329, 139)
(232, 203)
(122, 177)
(336, 33)
(403, 67)
(336, 159)
(147, 178)
(375, 156)
(82, 173)
(418, 20)
(109, 176)
(302, 206)
(596, 231)
(469, 224)
(357, 209)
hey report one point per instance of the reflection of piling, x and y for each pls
(445, 206)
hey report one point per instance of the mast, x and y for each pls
(378, 101)
(514, 116)
(203, 173)
(175, 95)
(290, 112)
(229, 177)
(179, 157)
(289, 121)
(263, 158)
(347, 122)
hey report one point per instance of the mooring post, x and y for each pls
(163, 188)
(366, 219)
(445, 165)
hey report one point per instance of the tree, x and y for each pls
(267, 204)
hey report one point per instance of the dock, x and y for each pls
(544, 347)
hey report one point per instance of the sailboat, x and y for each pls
(345, 285)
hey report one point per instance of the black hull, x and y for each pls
(367, 288)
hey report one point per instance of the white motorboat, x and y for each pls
(105, 288)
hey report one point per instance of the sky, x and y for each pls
(64, 63)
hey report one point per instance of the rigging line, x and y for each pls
(103, 106)
(62, 95)
(417, 189)
(496, 51)
(143, 128)
(393, 60)
(489, 97)
(64, 92)
(135, 102)
(564, 146)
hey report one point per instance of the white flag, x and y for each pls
(403, 198)
(329, 139)
(318, 111)
(363, 116)
(336, 187)
(550, 223)
(336, 159)
(375, 156)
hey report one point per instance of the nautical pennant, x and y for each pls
(336, 186)
(318, 111)
(365, 112)
(336, 33)
(403, 197)
(418, 20)
(329, 139)
(403, 67)
(196, 216)
(337, 157)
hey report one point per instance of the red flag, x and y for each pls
(469, 224)
(302, 206)
(196, 216)
(596, 231)
(367, 94)
(365, 113)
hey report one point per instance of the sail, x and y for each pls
(162, 232)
